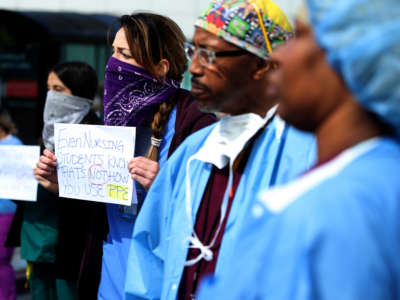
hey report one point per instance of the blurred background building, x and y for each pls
(183, 12)
(37, 34)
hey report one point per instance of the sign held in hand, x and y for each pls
(16, 172)
(92, 162)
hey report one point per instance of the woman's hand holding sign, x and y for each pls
(143, 170)
(46, 171)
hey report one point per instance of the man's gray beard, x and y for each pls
(214, 111)
(206, 110)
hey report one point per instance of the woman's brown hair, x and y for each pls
(7, 124)
(151, 38)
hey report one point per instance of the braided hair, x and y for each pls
(158, 125)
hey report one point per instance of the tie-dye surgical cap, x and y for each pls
(257, 26)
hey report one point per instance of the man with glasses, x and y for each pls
(195, 207)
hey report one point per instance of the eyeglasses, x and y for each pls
(206, 57)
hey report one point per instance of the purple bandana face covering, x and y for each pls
(131, 93)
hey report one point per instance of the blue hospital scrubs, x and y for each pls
(156, 261)
(122, 220)
(332, 234)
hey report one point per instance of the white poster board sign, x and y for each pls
(16, 172)
(92, 162)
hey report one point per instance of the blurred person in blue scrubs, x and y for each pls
(334, 232)
(7, 209)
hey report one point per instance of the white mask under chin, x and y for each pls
(222, 147)
(62, 108)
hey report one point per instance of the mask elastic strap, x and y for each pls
(194, 241)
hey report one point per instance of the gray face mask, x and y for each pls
(62, 108)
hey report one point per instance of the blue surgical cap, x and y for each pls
(361, 39)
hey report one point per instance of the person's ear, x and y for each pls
(162, 68)
(263, 67)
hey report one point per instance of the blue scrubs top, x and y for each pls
(122, 219)
(159, 244)
(332, 234)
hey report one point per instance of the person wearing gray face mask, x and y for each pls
(62, 108)
(51, 241)
(71, 89)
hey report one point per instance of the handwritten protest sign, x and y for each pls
(92, 162)
(16, 172)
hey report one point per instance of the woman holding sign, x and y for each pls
(142, 90)
(52, 231)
